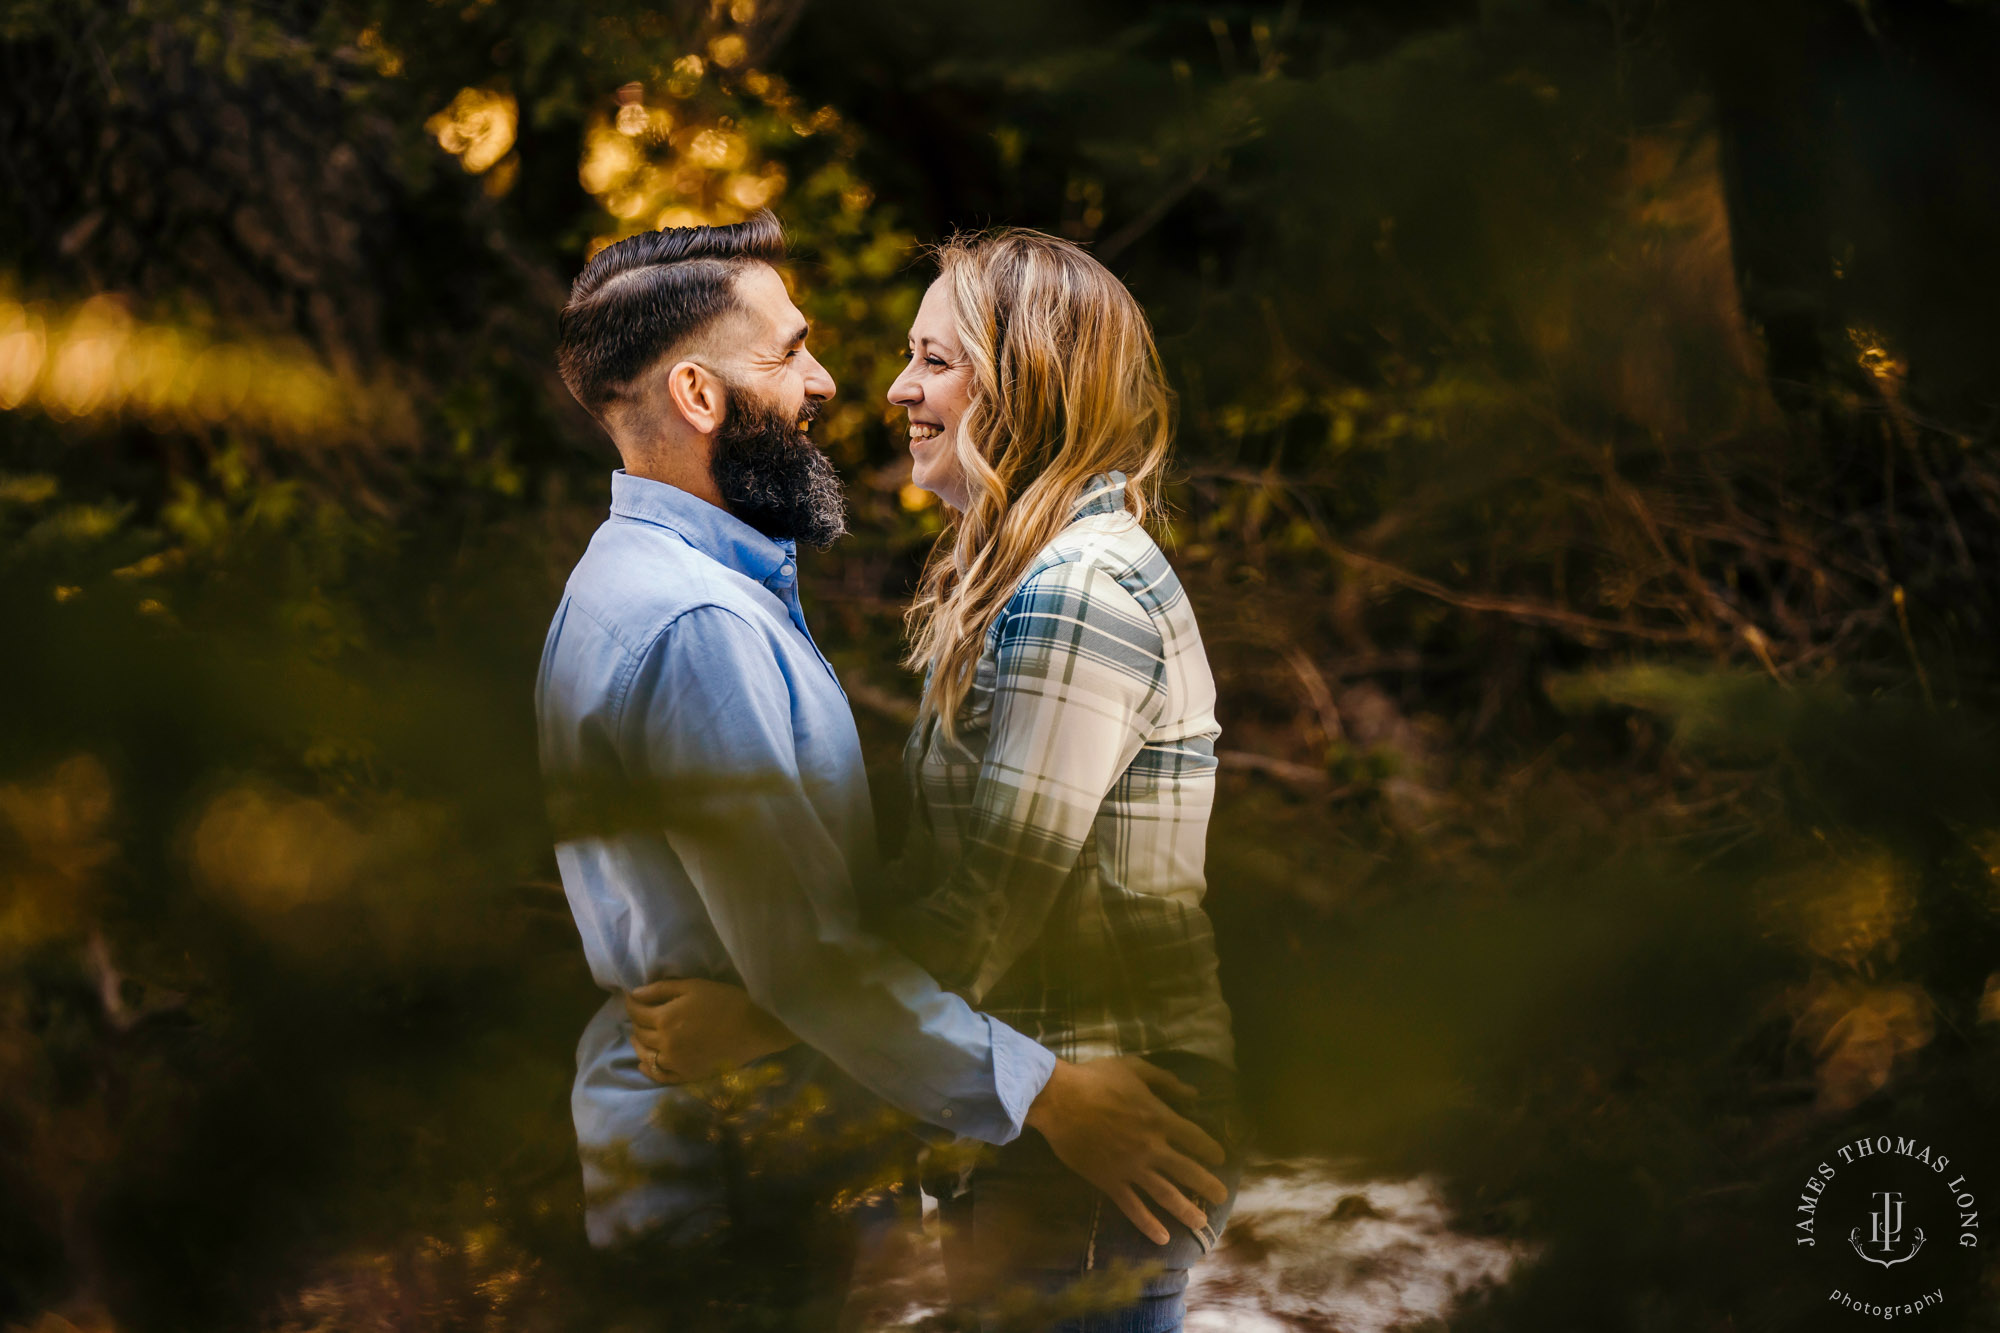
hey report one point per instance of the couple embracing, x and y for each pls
(1031, 987)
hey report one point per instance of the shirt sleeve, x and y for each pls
(709, 715)
(1080, 683)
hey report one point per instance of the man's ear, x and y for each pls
(697, 394)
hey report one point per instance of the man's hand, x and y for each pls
(691, 1028)
(1106, 1122)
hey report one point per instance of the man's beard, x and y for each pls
(774, 478)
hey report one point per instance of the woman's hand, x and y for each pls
(691, 1028)
(1106, 1121)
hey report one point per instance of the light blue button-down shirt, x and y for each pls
(679, 677)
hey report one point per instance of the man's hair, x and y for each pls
(646, 296)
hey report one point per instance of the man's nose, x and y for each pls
(819, 384)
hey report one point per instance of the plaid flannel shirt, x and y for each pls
(1061, 834)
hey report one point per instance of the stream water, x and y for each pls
(1310, 1248)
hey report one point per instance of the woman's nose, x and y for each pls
(904, 392)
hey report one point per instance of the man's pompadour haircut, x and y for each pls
(641, 298)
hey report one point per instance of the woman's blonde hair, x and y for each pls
(1066, 384)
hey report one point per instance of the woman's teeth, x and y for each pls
(919, 433)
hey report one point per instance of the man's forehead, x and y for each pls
(762, 297)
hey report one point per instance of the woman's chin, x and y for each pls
(931, 469)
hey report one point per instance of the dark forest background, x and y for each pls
(1587, 483)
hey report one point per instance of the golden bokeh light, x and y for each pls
(716, 149)
(478, 127)
(649, 167)
(23, 351)
(751, 193)
(269, 850)
(728, 50)
(608, 159)
(98, 359)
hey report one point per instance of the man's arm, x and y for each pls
(709, 711)
(709, 719)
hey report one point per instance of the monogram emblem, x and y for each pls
(1885, 1232)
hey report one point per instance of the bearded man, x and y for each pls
(713, 813)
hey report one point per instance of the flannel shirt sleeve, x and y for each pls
(1080, 683)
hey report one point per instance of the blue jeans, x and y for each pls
(1028, 1244)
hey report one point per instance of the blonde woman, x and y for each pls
(1062, 767)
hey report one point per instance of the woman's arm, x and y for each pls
(1081, 682)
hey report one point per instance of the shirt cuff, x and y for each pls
(1021, 1069)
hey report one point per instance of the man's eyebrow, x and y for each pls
(800, 336)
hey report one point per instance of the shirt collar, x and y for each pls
(1104, 494)
(716, 533)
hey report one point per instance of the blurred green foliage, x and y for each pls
(1586, 484)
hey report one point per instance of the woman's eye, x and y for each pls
(934, 361)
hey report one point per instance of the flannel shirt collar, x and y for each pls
(1105, 494)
